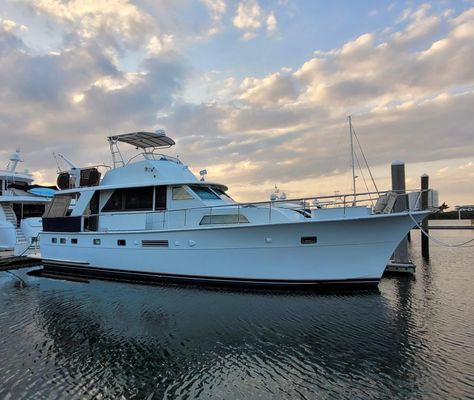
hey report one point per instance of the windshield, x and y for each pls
(204, 192)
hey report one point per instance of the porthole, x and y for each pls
(73, 241)
(54, 240)
(62, 240)
(96, 241)
(121, 242)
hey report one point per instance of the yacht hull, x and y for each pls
(344, 251)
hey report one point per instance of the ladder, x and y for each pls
(117, 158)
(11, 217)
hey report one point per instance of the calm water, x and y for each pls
(414, 339)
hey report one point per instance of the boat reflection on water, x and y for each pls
(413, 339)
(112, 339)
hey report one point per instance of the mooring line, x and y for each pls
(440, 242)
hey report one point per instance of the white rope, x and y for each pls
(441, 243)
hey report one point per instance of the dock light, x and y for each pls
(203, 173)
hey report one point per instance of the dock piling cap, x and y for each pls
(398, 162)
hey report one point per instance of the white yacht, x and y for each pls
(150, 219)
(21, 206)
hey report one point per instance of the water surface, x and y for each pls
(412, 339)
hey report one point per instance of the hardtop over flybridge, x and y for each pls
(151, 219)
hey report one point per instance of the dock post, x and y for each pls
(400, 262)
(425, 243)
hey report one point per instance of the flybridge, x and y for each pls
(147, 141)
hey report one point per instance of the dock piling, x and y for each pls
(425, 244)
(400, 262)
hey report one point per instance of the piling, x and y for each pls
(425, 244)
(400, 261)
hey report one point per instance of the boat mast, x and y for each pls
(352, 158)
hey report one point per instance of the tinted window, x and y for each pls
(115, 202)
(160, 198)
(139, 198)
(204, 192)
(132, 199)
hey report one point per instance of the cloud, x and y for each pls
(421, 26)
(104, 20)
(217, 8)
(10, 26)
(411, 95)
(292, 123)
(270, 90)
(250, 17)
(70, 99)
(271, 24)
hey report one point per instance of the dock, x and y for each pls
(458, 227)
(8, 261)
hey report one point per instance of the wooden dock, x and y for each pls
(9, 261)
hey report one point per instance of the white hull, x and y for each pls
(347, 251)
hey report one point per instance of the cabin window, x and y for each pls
(139, 198)
(115, 203)
(224, 219)
(132, 199)
(221, 193)
(204, 192)
(121, 242)
(160, 198)
(180, 193)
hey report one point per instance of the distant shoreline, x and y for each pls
(452, 215)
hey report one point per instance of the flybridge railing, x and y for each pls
(151, 155)
(236, 213)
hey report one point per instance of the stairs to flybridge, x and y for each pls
(11, 217)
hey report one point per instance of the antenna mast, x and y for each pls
(352, 157)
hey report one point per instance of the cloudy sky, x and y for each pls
(256, 91)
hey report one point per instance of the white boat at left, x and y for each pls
(21, 206)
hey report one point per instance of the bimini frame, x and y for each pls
(148, 141)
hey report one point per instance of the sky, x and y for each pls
(256, 91)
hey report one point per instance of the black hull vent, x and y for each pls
(155, 243)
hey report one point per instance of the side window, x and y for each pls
(224, 219)
(134, 199)
(115, 203)
(160, 198)
(180, 193)
(139, 199)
